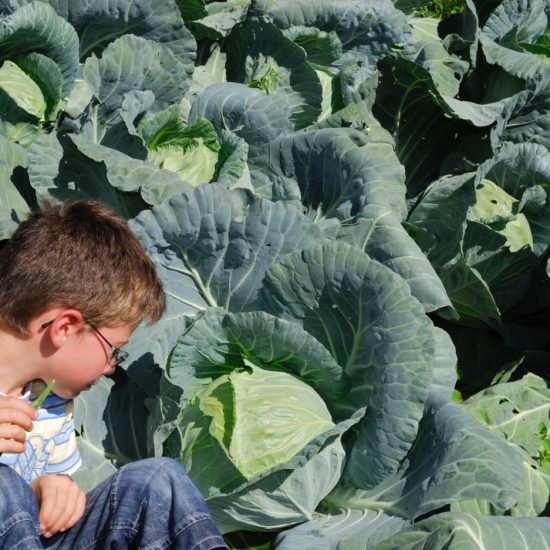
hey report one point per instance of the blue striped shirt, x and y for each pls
(50, 447)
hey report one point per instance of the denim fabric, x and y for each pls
(146, 505)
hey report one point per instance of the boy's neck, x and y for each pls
(18, 363)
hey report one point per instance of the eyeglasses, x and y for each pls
(117, 355)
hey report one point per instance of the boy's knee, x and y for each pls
(155, 470)
(17, 496)
(152, 474)
(162, 479)
(13, 486)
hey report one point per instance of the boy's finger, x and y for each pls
(11, 431)
(66, 496)
(52, 507)
(9, 402)
(11, 446)
(18, 417)
(78, 511)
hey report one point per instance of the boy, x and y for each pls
(74, 284)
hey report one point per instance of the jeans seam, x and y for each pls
(201, 542)
(17, 518)
(134, 526)
(184, 524)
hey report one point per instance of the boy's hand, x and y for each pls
(16, 418)
(61, 503)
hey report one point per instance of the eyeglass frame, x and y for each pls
(117, 356)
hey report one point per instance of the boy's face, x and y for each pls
(87, 358)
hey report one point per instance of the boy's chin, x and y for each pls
(72, 393)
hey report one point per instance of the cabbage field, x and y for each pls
(348, 204)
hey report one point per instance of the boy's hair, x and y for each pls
(80, 255)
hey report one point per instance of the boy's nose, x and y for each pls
(109, 369)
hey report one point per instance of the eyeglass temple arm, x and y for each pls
(48, 323)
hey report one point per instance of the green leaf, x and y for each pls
(98, 24)
(364, 315)
(358, 116)
(123, 135)
(77, 177)
(219, 342)
(131, 175)
(516, 168)
(35, 27)
(355, 23)
(256, 49)
(134, 63)
(515, 409)
(454, 458)
(232, 168)
(506, 271)
(22, 89)
(410, 107)
(511, 22)
(469, 292)
(454, 530)
(213, 71)
(496, 208)
(519, 64)
(45, 154)
(111, 420)
(289, 493)
(533, 499)
(540, 48)
(322, 48)
(518, 233)
(203, 457)
(492, 204)
(190, 151)
(263, 418)
(212, 246)
(255, 117)
(283, 496)
(195, 166)
(221, 18)
(152, 345)
(341, 529)
(526, 115)
(429, 52)
(377, 232)
(13, 207)
(445, 363)
(442, 212)
(484, 357)
(176, 133)
(153, 126)
(191, 10)
(79, 98)
(339, 171)
(47, 74)
(533, 200)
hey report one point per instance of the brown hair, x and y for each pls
(80, 255)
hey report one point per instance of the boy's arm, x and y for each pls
(16, 418)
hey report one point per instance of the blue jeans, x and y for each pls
(146, 505)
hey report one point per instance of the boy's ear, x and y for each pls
(66, 323)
